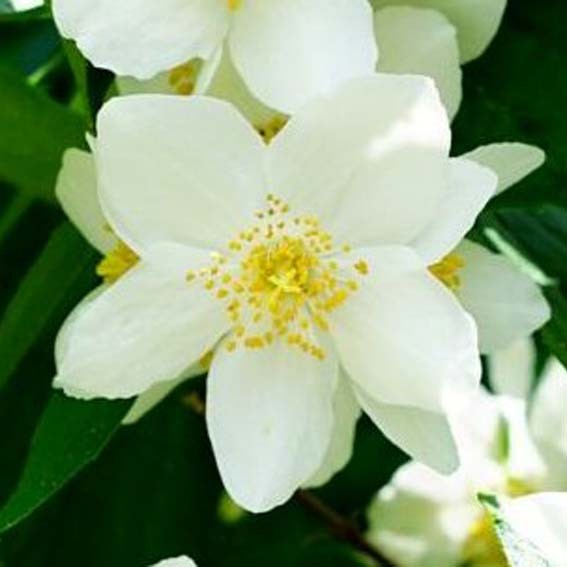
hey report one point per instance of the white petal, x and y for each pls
(151, 398)
(523, 460)
(421, 42)
(548, 418)
(270, 419)
(146, 328)
(178, 169)
(346, 414)
(370, 159)
(477, 21)
(142, 37)
(511, 161)
(505, 303)
(421, 518)
(76, 190)
(227, 84)
(471, 188)
(542, 520)
(425, 435)
(182, 561)
(512, 369)
(402, 336)
(288, 52)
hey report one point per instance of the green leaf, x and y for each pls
(60, 276)
(519, 551)
(508, 102)
(92, 84)
(554, 334)
(70, 434)
(35, 133)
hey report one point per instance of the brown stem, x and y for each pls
(340, 527)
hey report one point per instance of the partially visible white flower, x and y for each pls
(477, 21)
(409, 40)
(423, 519)
(181, 177)
(286, 53)
(182, 561)
(21, 5)
(506, 303)
(540, 519)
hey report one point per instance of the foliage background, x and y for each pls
(154, 490)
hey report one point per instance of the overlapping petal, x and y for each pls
(471, 187)
(346, 413)
(424, 435)
(142, 37)
(511, 161)
(270, 419)
(77, 192)
(146, 328)
(402, 336)
(288, 52)
(477, 21)
(421, 42)
(176, 169)
(370, 159)
(505, 303)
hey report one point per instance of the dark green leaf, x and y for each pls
(35, 133)
(55, 282)
(554, 334)
(70, 434)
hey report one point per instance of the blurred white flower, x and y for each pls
(285, 52)
(423, 519)
(292, 261)
(182, 561)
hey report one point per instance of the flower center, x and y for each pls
(447, 270)
(183, 78)
(116, 263)
(234, 4)
(280, 279)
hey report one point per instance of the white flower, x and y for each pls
(423, 519)
(476, 21)
(285, 52)
(409, 40)
(424, 37)
(182, 561)
(312, 299)
(505, 303)
(541, 519)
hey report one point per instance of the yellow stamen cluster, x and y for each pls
(183, 78)
(116, 263)
(270, 129)
(234, 4)
(447, 270)
(280, 279)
